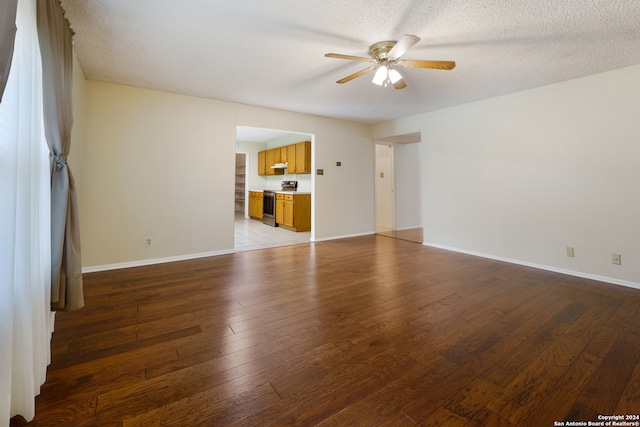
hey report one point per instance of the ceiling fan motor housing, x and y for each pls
(380, 50)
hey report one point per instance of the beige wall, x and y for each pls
(77, 132)
(161, 166)
(518, 177)
(521, 177)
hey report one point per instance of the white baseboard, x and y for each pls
(580, 274)
(144, 262)
(583, 275)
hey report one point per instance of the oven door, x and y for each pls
(269, 208)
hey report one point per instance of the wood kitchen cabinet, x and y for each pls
(262, 163)
(278, 158)
(299, 157)
(255, 204)
(303, 157)
(271, 160)
(271, 157)
(291, 158)
(279, 208)
(296, 212)
(278, 155)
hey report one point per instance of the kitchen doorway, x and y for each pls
(250, 232)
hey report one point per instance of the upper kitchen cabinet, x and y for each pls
(291, 158)
(262, 163)
(272, 160)
(299, 157)
(271, 157)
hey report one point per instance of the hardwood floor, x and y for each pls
(366, 331)
(411, 234)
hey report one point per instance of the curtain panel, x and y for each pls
(26, 320)
(55, 37)
(7, 36)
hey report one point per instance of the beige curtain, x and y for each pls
(55, 38)
(7, 36)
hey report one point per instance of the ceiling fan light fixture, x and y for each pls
(385, 56)
(394, 75)
(381, 75)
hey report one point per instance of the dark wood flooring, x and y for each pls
(366, 331)
(412, 234)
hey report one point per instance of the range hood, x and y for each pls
(279, 166)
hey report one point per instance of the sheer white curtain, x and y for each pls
(26, 321)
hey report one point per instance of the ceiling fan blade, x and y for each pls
(402, 46)
(354, 75)
(349, 57)
(418, 63)
(400, 84)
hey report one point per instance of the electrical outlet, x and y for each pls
(616, 259)
(148, 242)
(570, 252)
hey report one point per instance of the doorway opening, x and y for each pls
(240, 207)
(385, 189)
(250, 231)
(397, 186)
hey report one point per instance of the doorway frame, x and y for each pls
(258, 134)
(247, 160)
(400, 178)
(392, 198)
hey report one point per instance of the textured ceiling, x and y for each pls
(271, 52)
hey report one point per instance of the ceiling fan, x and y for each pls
(386, 57)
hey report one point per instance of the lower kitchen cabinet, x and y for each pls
(255, 204)
(295, 211)
(279, 208)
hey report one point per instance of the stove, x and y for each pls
(269, 202)
(289, 185)
(269, 208)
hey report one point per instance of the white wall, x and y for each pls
(522, 176)
(408, 194)
(344, 195)
(161, 166)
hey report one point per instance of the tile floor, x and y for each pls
(252, 234)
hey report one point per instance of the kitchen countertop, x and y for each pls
(284, 192)
(292, 192)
